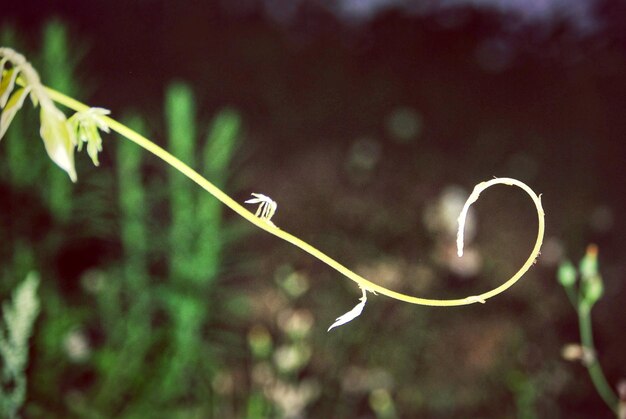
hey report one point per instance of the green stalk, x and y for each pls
(593, 366)
(182, 302)
(131, 334)
(180, 115)
(218, 151)
(132, 201)
(59, 72)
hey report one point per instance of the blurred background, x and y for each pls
(369, 122)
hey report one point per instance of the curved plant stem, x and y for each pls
(270, 228)
(593, 366)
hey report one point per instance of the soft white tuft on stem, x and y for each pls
(267, 206)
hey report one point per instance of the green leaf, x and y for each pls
(58, 139)
(10, 110)
(6, 85)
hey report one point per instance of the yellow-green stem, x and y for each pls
(593, 367)
(270, 228)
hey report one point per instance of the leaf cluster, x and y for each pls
(18, 79)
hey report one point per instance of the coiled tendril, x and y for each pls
(262, 222)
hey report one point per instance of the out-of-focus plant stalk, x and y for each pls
(218, 152)
(58, 71)
(196, 236)
(593, 366)
(583, 295)
(180, 117)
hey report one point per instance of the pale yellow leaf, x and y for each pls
(3, 62)
(57, 137)
(10, 110)
(6, 85)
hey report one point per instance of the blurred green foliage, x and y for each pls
(583, 296)
(58, 68)
(18, 317)
(120, 335)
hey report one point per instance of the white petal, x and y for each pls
(262, 197)
(267, 207)
(352, 314)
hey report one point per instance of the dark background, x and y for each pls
(531, 90)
